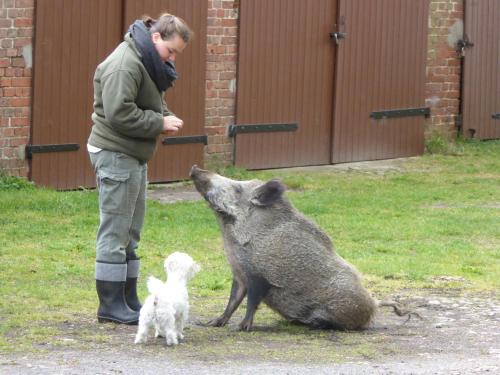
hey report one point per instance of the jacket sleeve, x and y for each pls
(119, 91)
(166, 111)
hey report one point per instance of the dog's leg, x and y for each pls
(171, 336)
(146, 319)
(179, 325)
(238, 292)
(142, 332)
(257, 290)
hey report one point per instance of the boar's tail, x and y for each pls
(155, 286)
(398, 311)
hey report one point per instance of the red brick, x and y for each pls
(15, 142)
(14, 13)
(20, 121)
(9, 91)
(6, 132)
(27, 32)
(23, 22)
(210, 22)
(21, 102)
(7, 43)
(229, 22)
(23, 91)
(11, 52)
(21, 82)
(25, 3)
(4, 62)
(9, 153)
(5, 82)
(228, 4)
(5, 23)
(21, 42)
(228, 40)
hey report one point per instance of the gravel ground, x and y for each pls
(459, 334)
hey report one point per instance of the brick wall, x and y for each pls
(16, 29)
(221, 79)
(443, 65)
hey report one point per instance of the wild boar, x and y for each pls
(280, 257)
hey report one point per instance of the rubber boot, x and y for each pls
(112, 304)
(133, 266)
(131, 294)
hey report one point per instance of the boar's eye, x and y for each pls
(219, 205)
(238, 189)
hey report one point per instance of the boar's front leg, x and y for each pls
(258, 287)
(238, 292)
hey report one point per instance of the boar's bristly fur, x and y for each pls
(280, 257)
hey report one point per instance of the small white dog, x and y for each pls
(167, 307)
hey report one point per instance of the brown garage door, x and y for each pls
(72, 37)
(285, 79)
(481, 90)
(379, 94)
(359, 96)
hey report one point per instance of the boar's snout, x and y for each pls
(201, 179)
(194, 170)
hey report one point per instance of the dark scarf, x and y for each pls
(162, 74)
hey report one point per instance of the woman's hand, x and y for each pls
(172, 124)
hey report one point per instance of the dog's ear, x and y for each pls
(170, 265)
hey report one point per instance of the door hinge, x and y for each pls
(185, 140)
(261, 128)
(404, 112)
(38, 149)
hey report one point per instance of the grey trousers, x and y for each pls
(121, 181)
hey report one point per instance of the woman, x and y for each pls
(129, 115)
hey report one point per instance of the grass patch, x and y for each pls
(437, 143)
(436, 218)
(14, 183)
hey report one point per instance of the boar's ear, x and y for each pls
(268, 193)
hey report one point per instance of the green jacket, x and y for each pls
(128, 107)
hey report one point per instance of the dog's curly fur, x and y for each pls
(167, 307)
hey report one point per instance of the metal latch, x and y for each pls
(463, 44)
(337, 36)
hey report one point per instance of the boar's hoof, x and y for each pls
(246, 325)
(221, 321)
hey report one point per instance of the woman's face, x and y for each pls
(168, 49)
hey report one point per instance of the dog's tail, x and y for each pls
(155, 286)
